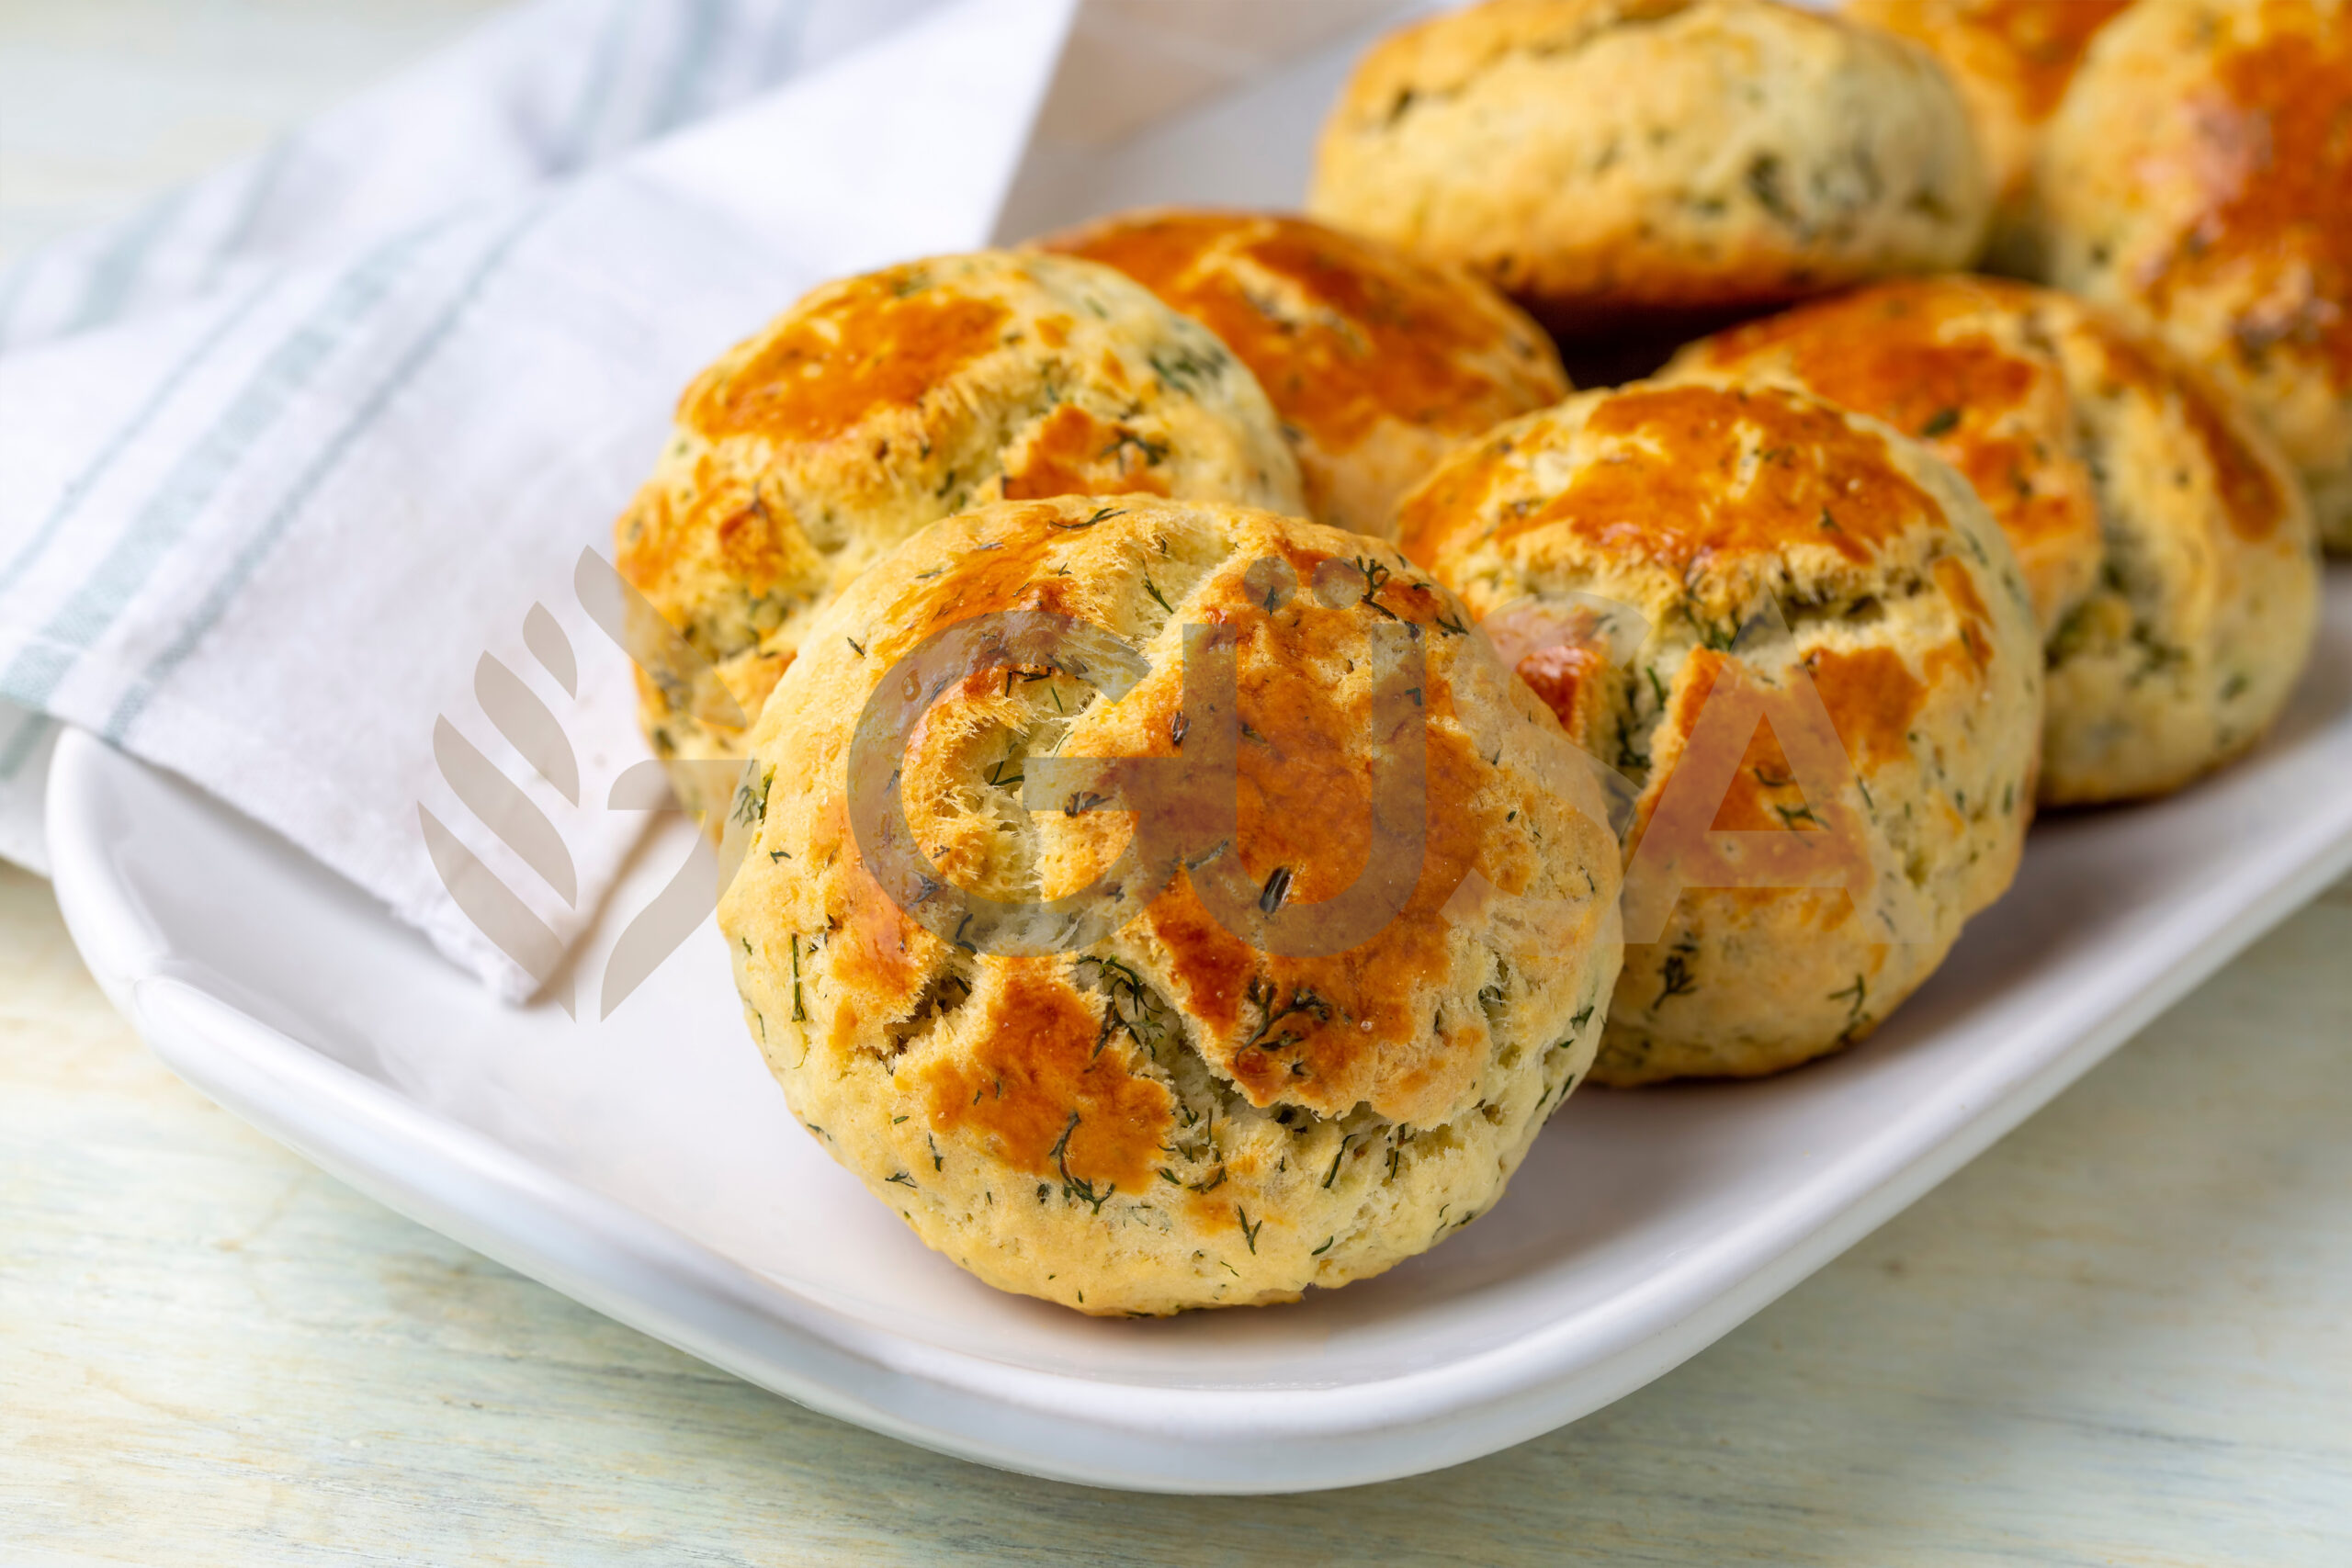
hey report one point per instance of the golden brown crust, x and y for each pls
(1378, 364)
(1956, 362)
(1609, 164)
(1174, 1115)
(2166, 545)
(1699, 485)
(1689, 509)
(2197, 180)
(881, 402)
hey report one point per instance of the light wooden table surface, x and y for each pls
(2119, 1336)
(2122, 1336)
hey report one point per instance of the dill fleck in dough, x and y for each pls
(2198, 179)
(1171, 1115)
(1621, 165)
(1626, 552)
(1379, 365)
(2168, 548)
(883, 402)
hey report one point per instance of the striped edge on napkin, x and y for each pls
(301, 462)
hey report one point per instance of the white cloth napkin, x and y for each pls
(296, 467)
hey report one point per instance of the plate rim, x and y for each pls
(1091, 1431)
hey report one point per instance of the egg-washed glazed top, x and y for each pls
(1964, 364)
(2046, 39)
(2165, 541)
(1637, 554)
(1378, 364)
(1702, 488)
(2198, 179)
(1687, 505)
(1619, 167)
(881, 402)
(1174, 1064)
(2273, 172)
(2012, 59)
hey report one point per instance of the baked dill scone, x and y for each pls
(2198, 179)
(883, 402)
(2012, 60)
(1663, 561)
(1197, 1102)
(1378, 365)
(2163, 543)
(1962, 364)
(1608, 163)
(2209, 583)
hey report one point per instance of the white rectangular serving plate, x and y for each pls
(649, 1166)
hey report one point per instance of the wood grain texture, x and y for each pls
(104, 102)
(2119, 1336)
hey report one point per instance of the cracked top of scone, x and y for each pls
(1691, 500)
(1616, 547)
(1962, 364)
(1187, 1107)
(2162, 537)
(882, 402)
(1630, 552)
(2198, 179)
(1612, 162)
(1379, 365)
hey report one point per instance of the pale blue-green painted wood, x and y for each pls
(2119, 1336)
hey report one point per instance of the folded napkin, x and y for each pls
(300, 462)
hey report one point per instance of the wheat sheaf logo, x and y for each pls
(529, 726)
(1184, 808)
